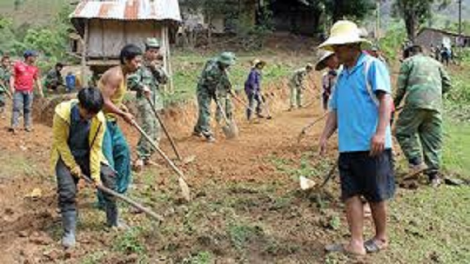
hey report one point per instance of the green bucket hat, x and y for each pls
(227, 58)
(152, 43)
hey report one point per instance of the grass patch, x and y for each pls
(429, 226)
(94, 258)
(241, 234)
(202, 257)
(456, 154)
(130, 242)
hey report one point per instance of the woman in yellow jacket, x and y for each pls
(78, 130)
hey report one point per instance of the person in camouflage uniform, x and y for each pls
(146, 82)
(297, 85)
(5, 73)
(423, 80)
(214, 84)
(54, 77)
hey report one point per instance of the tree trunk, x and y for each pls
(410, 22)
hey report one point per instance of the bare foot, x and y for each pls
(355, 248)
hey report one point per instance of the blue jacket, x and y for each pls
(253, 83)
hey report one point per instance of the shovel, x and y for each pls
(308, 185)
(125, 199)
(230, 129)
(181, 178)
(307, 127)
(172, 142)
(266, 107)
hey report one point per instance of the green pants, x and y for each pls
(2, 101)
(204, 99)
(419, 132)
(295, 96)
(226, 105)
(151, 127)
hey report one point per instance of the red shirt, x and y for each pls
(25, 75)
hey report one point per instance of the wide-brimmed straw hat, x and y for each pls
(343, 32)
(321, 64)
(258, 61)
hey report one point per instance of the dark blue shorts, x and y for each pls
(363, 175)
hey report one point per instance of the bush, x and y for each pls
(391, 43)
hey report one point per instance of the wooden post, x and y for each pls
(84, 54)
(165, 58)
(168, 65)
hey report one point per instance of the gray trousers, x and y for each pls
(67, 185)
(22, 101)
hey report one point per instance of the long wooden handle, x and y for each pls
(304, 130)
(125, 199)
(222, 111)
(164, 156)
(173, 145)
(243, 103)
(330, 175)
(265, 104)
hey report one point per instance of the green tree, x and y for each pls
(415, 13)
(354, 9)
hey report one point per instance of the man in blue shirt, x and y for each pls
(360, 108)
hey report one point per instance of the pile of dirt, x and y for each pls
(43, 108)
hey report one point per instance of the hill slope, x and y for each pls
(38, 12)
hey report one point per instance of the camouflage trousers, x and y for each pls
(226, 105)
(2, 101)
(149, 123)
(419, 132)
(204, 99)
(296, 96)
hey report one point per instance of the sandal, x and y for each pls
(340, 248)
(373, 246)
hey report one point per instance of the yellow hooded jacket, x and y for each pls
(61, 130)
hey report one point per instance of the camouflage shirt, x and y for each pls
(214, 79)
(53, 77)
(298, 78)
(423, 80)
(5, 75)
(151, 76)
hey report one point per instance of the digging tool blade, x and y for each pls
(230, 129)
(266, 107)
(189, 159)
(306, 184)
(301, 135)
(184, 189)
(304, 130)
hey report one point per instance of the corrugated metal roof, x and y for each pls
(128, 10)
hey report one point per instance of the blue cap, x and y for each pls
(29, 53)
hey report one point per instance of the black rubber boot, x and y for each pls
(69, 223)
(111, 215)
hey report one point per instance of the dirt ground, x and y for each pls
(246, 207)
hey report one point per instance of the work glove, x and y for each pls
(76, 171)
